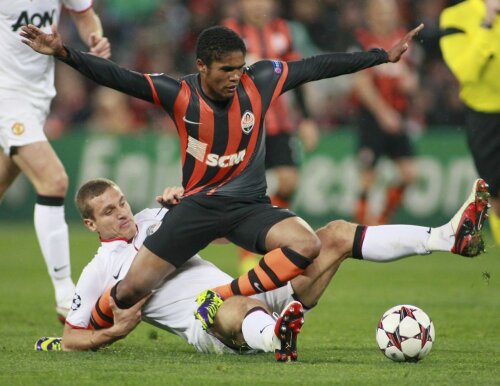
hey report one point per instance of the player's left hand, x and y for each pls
(309, 134)
(125, 320)
(401, 47)
(99, 46)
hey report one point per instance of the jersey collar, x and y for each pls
(128, 241)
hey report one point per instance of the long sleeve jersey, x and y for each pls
(222, 146)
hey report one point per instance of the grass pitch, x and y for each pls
(336, 347)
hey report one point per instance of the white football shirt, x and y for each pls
(173, 304)
(23, 70)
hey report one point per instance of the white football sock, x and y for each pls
(392, 242)
(52, 232)
(441, 238)
(258, 331)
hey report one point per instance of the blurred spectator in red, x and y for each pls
(385, 103)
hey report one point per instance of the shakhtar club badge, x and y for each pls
(247, 122)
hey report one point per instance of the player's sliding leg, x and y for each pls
(384, 243)
(461, 235)
(464, 229)
(209, 303)
(286, 329)
(274, 270)
(263, 332)
(246, 322)
(48, 344)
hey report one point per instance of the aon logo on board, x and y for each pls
(225, 161)
(37, 19)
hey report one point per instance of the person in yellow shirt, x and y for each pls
(470, 42)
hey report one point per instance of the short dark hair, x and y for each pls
(89, 190)
(216, 42)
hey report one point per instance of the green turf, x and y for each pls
(337, 344)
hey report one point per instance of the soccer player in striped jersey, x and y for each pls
(219, 114)
(242, 324)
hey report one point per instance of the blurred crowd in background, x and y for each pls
(159, 36)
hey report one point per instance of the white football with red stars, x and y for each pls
(405, 333)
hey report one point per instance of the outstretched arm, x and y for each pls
(335, 64)
(100, 70)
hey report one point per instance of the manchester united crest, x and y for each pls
(18, 128)
(247, 122)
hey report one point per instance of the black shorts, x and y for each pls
(281, 150)
(483, 136)
(191, 225)
(373, 142)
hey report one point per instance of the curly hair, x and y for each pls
(215, 42)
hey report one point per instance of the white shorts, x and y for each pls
(173, 305)
(21, 121)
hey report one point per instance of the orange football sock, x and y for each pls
(102, 315)
(274, 270)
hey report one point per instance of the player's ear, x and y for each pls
(202, 67)
(90, 224)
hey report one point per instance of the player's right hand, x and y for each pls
(401, 47)
(171, 196)
(39, 41)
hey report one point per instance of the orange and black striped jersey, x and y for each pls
(222, 145)
(273, 40)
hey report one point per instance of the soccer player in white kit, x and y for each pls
(106, 211)
(240, 323)
(26, 90)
